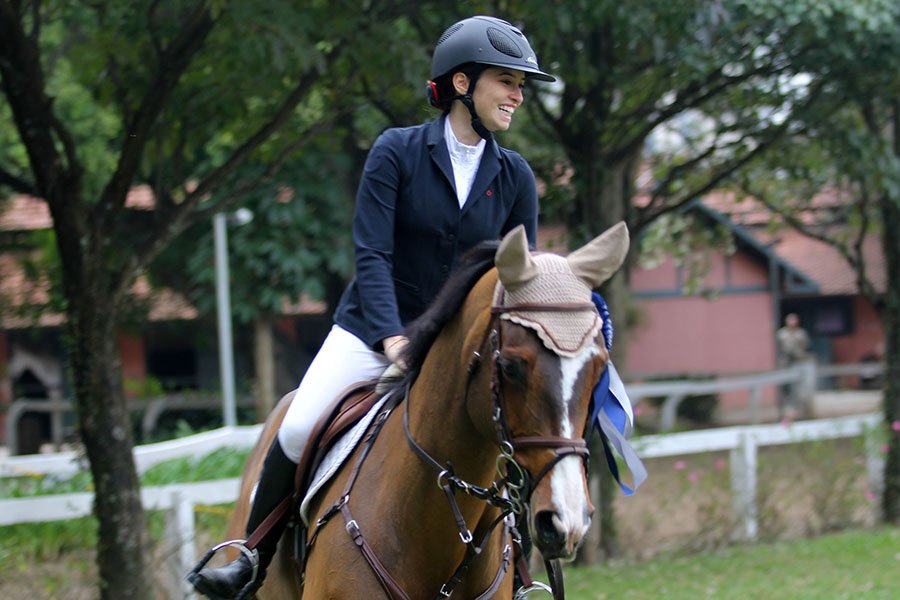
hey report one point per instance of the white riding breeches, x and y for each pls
(342, 360)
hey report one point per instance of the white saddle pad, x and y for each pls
(340, 451)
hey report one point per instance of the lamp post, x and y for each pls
(223, 310)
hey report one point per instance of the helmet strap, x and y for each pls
(477, 125)
(469, 103)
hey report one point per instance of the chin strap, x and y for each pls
(477, 125)
(469, 103)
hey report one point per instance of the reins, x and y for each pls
(511, 493)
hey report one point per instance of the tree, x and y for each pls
(296, 245)
(299, 243)
(104, 95)
(856, 151)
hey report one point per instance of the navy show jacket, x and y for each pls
(409, 231)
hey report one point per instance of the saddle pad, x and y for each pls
(337, 455)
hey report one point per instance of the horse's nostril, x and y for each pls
(547, 531)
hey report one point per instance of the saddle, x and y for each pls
(351, 405)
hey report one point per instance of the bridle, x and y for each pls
(510, 492)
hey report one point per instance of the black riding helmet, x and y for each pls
(485, 41)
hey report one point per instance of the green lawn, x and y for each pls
(858, 564)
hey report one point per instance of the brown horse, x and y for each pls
(499, 383)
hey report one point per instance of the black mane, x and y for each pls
(424, 330)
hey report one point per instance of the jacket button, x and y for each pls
(451, 237)
(445, 268)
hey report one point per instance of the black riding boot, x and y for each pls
(276, 482)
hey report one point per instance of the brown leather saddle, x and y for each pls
(345, 411)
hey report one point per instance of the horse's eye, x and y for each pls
(514, 369)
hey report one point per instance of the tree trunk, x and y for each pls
(605, 193)
(264, 357)
(106, 432)
(890, 212)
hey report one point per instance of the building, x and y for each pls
(173, 349)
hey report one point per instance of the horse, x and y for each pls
(488, 429)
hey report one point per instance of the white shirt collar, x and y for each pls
(459, 152)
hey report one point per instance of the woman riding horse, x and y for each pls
(488, 433)
(427, 195)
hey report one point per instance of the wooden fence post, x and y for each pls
(874, 469)
(669, 414)
(743, 486)
(180, 533)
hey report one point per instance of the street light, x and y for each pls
(242, 216)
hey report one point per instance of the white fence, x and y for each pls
(152, 409)
(803, 378)
(179, 499)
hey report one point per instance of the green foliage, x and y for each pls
(145, 387)
(297, 241)
(220, 464)
(25, 543)
(690, 89)
(38, 485)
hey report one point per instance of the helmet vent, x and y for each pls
(503, 43)
(450, 31)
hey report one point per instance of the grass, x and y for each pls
(856, 564)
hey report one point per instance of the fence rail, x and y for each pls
(152, 409)
(179, 500)
(145, 456)
(804, 378)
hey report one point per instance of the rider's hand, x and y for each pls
(393, 349)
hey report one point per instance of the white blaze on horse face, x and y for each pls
(567, 479)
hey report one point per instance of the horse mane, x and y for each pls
(423, 331)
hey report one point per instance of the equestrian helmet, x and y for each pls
(487, 41)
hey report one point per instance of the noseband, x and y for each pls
(562, 446)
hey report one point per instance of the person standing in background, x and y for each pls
(793, 348)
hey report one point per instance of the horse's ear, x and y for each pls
(599, 259)
(513, 259)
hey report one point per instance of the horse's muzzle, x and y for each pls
(559, 538)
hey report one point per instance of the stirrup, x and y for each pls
(536, 586)
(252, 556)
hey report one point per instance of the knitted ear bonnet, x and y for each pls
(553, 279)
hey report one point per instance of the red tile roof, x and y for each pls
(824, 264)
(19, 292)
(818, 260)
(27, 213)
(24, 213)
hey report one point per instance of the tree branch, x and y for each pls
(17, 184)
(654, 209)
(23, 85)
(154, 36)
(187, 212)
(173, 62)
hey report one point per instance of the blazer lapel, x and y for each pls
(437, 147)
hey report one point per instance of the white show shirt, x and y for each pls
(465, 160)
